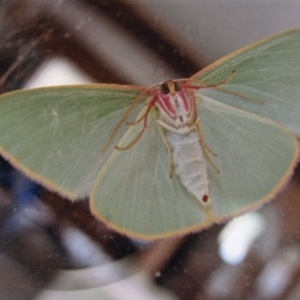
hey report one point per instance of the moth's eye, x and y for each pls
(164, 88)
(177, 86)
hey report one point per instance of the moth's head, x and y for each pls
(170, 87)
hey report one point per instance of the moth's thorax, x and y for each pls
(176, 108)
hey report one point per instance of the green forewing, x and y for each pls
(135, 194)
(56, 135)
(268, 72)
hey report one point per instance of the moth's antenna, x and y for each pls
(217, 87)
(205, 84)
(239, 95)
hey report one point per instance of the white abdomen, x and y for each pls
(190, 164)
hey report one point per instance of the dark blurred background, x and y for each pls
(51, 248)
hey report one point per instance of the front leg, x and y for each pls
(180, 130)
(204, 146)
(168, 146)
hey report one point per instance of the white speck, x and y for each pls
(160, 71)
(80, 25)
(54, 122)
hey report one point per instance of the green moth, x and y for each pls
(174, 158)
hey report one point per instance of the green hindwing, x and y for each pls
(135, 194)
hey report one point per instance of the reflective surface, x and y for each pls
(51, 247)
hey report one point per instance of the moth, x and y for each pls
(171, 159)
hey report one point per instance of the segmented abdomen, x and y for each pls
(190, 164)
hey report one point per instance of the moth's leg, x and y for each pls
(138, 136)
(168, 146)
(201, 138)
(167, 126)
(132, 142)
(204, 146)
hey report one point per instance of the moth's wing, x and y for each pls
(56, 135)
(268, 72)
(255, 156)
(135, 195)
